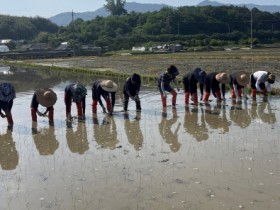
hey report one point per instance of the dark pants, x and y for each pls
(125, 102)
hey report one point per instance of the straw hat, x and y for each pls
(242, 78)
(109, 86)
(222, 78)
(7, 92)
(46, 97)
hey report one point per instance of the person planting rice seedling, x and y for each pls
(7, 95)
(46, 98)
(107, 89)
(261, 82)
(212, 84)
(164, 85)
(76, 93)
(238, 81)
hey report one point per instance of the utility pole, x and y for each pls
(251, 29)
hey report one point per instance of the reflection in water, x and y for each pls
(77, 140)
(240, 115)
(192, 125)
(216, 118)
(262, 111)
(133, 131)
(165, 129)
(265, 113)
(105, 133)
(8, 153)
(44, 139)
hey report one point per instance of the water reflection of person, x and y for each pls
(133, 131)
(241, 116)
(265, 113)
(216, 118)
(105, 133)
(45, 140)
(77, 140)
(170, 137)
(8, 153)
(198, 130)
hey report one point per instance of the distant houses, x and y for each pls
(160, 48)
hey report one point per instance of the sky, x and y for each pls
(49, 8)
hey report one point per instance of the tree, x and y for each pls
(116, 7)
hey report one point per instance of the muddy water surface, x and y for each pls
(221, 156)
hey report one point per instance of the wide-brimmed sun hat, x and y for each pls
(271, 78)
(78, 92)
(222, 78)
(7, 92)
(242, 78)
(109, 86)
(46, 97)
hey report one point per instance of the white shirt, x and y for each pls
(261, 76)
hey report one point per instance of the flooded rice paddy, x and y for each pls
(222, 156)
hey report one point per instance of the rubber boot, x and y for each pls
(239, 92)
(33, 115)
(253, 93)
(50, 115)
(108, 105)
(10, 120)
(206, 96)
(138, 105)
(233, 95)
(187, 95)
(79, 108)
(174, 98)
(94, 106)
(195, 98)
(218, 95)
(125, 105)
(163, 100)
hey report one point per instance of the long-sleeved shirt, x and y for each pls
(164, 81)
(98, 91)
(212, 84)
(131, 88)
(68, 97)
(261, 77)
(235, 86)
(190, 81)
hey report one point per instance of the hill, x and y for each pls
(65, 18)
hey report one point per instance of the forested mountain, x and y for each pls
(24, 27)
(189, 26)
(65, 18)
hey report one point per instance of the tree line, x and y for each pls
(189, 26)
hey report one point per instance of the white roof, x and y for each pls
(4, 48)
